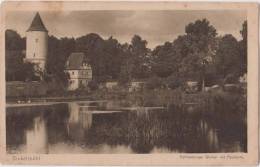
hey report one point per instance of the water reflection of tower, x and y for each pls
(211, 135)
(36, 138)
(80, 120)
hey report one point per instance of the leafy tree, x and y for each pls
(243, 48)
(227, 59)
(53, 54)
(27, 71)
(13, 60)
(113, 57)
(202, 47)
(13, 41)
(58, 53)
(14, 45)
(16, 68)
(139, 57)
(127, 65)
(191, 54)
(93, 45)
(105, 56)
(163, 64)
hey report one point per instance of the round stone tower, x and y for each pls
(37, 43)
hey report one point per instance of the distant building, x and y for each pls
(136, 86)
(191, 87)
(37, 43)
(111, 84)
(80, 72)
(243, 79)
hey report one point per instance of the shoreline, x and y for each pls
(47, 103)
(148, 98)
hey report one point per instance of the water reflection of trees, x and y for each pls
(174, 130)
(56, 123)
(26, 127)
(141, 130)
(79, 121)
(178, 129)
(18, 120)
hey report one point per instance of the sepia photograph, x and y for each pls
(126, 81)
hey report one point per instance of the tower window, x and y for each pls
(36, 40)
(33, 54)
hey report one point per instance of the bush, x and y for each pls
(93, 85)
(154, 83)
(230, 79)
(174, 82)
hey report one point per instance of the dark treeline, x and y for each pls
(16, 69)
(109, 59)
(199, 54)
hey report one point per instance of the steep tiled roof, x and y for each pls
(37, 24)
(75, 61)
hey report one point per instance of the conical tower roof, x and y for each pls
(37, 24)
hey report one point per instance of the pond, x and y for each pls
(112, 127)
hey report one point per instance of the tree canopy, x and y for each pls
(16, 68)
(195, 55)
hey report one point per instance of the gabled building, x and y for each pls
(79, 71)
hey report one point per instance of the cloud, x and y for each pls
(156, 27)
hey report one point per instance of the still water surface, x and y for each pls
(111, 127)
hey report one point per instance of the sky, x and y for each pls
(157, 27)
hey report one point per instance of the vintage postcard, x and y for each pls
(129, 83)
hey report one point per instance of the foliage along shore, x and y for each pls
(221, 104)
(214, 58)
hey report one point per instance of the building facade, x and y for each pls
(79, 71)
(37, 43)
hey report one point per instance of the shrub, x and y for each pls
(230, 79)
(93, 85)
(154, 83)
(174, 82)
